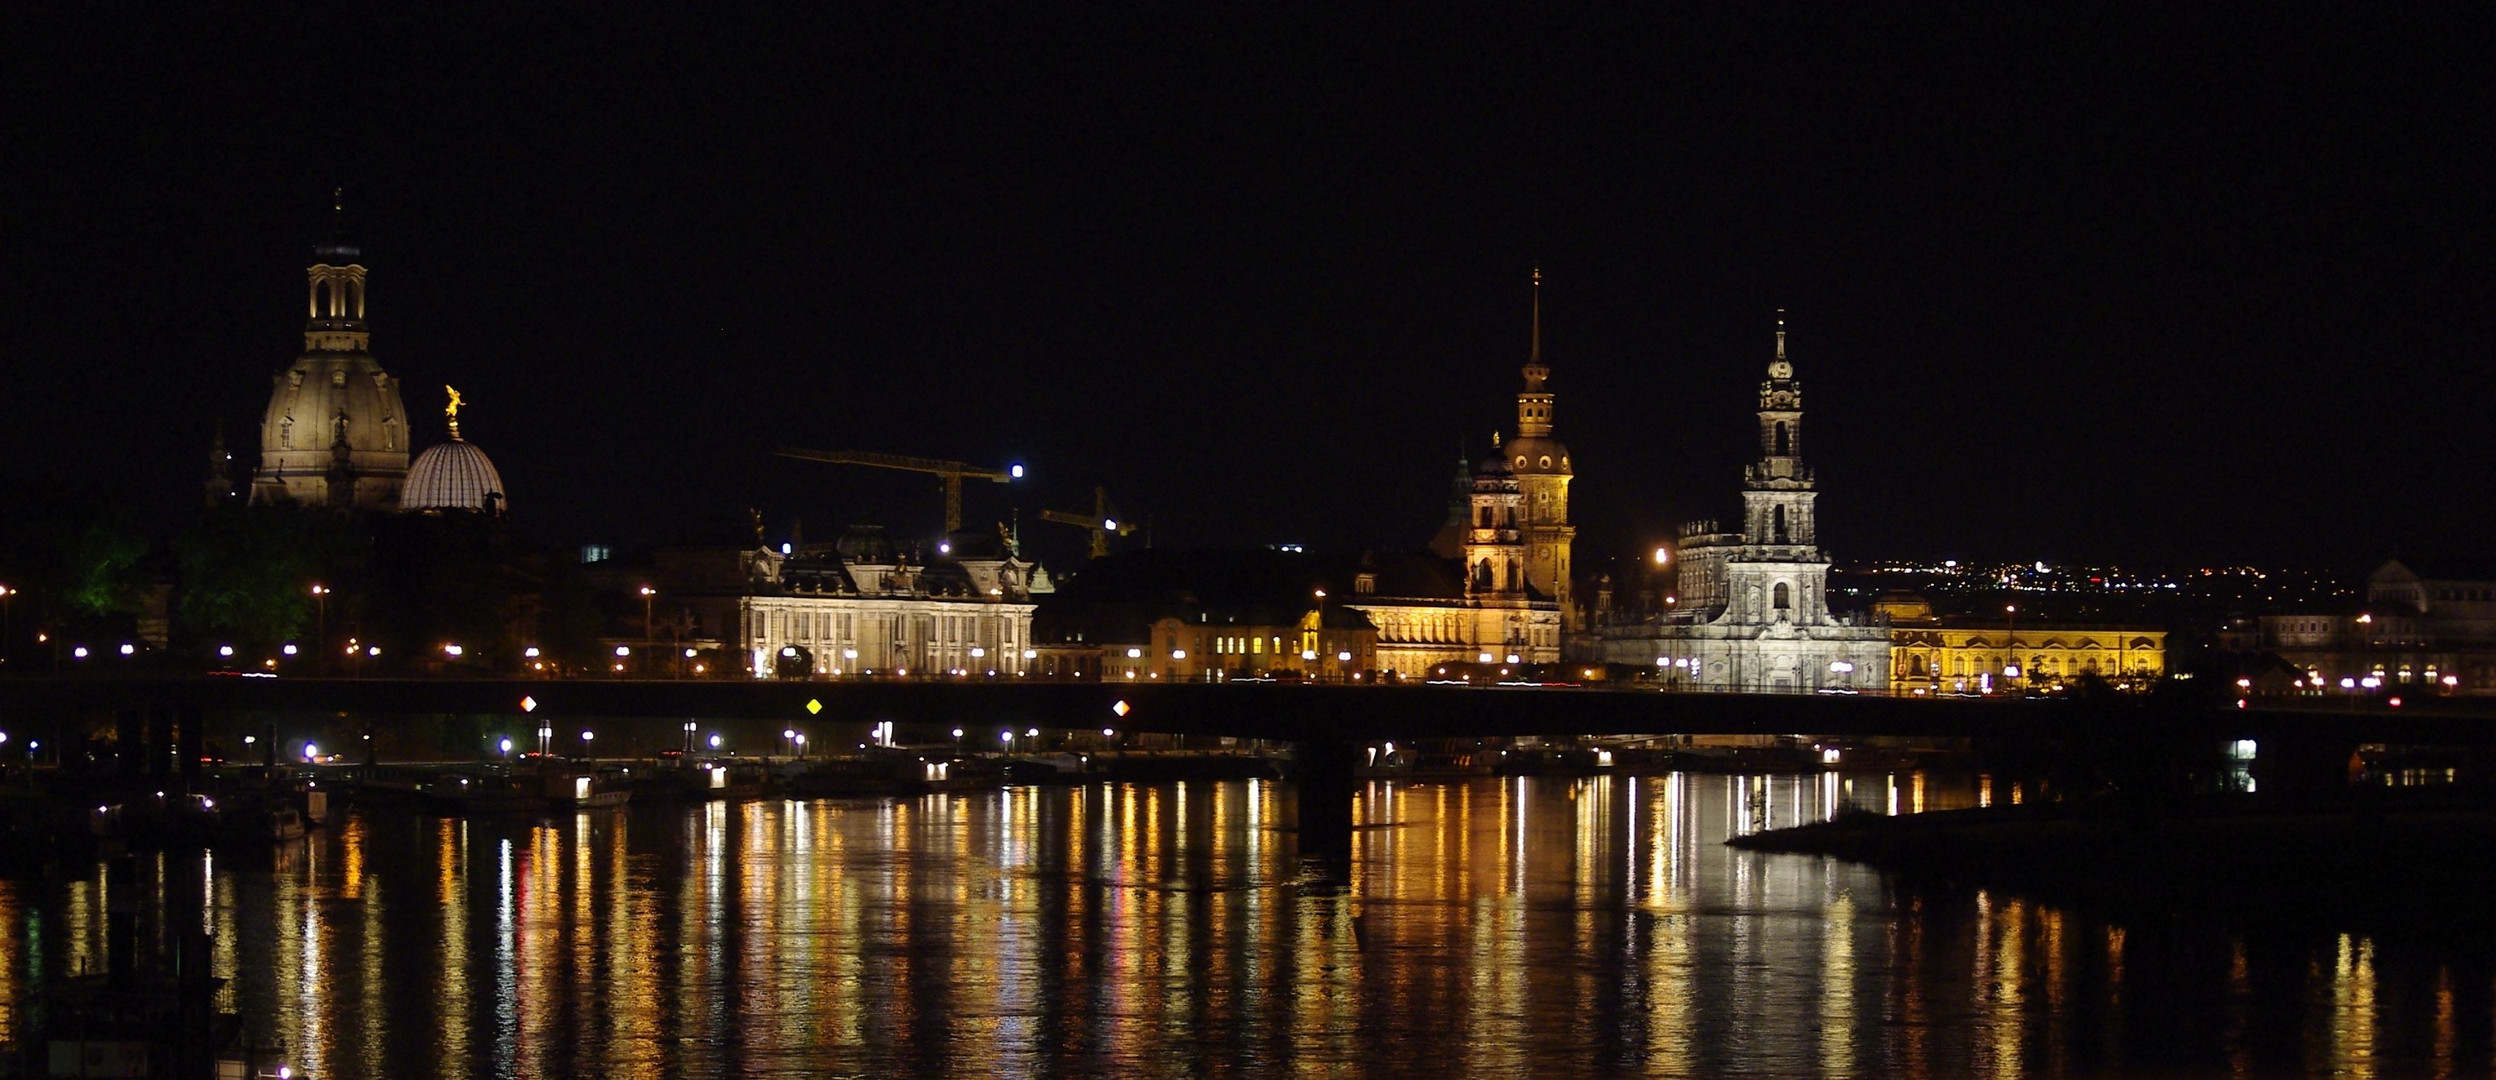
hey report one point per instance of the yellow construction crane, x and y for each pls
(953, 472)
(1099, 522)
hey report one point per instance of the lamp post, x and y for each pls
(320, 605)
(646, 635)
(5, 594)
(2010, 670)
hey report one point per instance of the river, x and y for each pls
(1512, 927)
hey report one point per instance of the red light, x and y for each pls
(2396, 703)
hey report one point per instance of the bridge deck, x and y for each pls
(1253, 710)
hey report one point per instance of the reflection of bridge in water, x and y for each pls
(1329, 724)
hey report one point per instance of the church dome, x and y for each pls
(452, 476)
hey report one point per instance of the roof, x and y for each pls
(453, 476)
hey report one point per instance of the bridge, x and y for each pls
(1275, 711)
(2307, 742)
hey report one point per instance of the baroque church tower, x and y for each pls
(1778, 576)
(335, 433)
(1541, 466)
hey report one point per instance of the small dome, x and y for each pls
(452, 476)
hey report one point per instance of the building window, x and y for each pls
(1784, 597)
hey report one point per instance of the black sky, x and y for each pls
(2095, 284)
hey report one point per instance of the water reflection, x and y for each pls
(1498, 927)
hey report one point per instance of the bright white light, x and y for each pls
(1134, 653)
(127, 649)
(506, 745)
(1344, 657)
(288, 650)
(1015, 470)
(714, 742)
(786, 549)
(1178, 654)
(225, 650)
(623, 650)
(453, 650)
(1484, 658)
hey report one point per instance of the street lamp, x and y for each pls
(320, 602)
(5, 594)
(646, 634)
(2010, 670)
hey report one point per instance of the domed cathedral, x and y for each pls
(454, 476)
(1505, 598)
(1752, 611)
(335, 433)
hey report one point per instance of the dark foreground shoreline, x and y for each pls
(2425, 868)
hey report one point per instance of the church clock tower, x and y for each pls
(335, 433)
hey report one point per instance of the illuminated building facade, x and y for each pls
(863, 608)
(1752, 611)
(2425, 632)
(1932, 654)
(1509, 594)
(335, 433)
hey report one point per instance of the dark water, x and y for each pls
(1496, 928)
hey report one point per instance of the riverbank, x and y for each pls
(2411, 865)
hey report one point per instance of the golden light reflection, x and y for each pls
(1497, 927)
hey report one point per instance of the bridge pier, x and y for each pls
(1325, 785)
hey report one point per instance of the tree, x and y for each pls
(247, 572)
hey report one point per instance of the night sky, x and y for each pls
(2086, 285)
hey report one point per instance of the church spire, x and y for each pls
(1535, 356)
(1534, 405)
